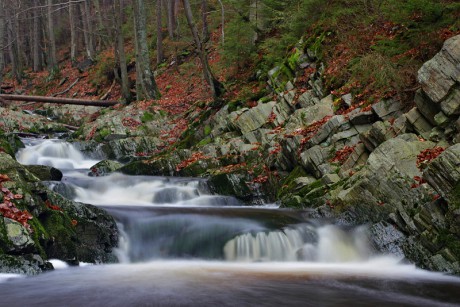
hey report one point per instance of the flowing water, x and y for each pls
(183, 246)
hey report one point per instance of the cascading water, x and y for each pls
(178, 238)
(56, 153)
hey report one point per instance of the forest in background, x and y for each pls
(372, 48)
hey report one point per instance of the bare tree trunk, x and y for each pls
(88, 30)
(13, 48)
(29, 39)
(52, 58)
(204, 20)
(215, 85)
(222, 21)
(101, 31)
(172, 23)
(145, 82)
(73, 33)
(20, 37)
(36, 48)
(120, 50)
(160, 54)
(2, 39)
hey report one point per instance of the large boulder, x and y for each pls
(246, 120)
(45, 173)
(438, 75)
(38, 224)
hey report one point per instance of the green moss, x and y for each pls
(454, 199)
(104, 133)
(234, 105)
(314, 196)
(451, 241)
(5, 145)
(39, 235)
(147, 117)
(288, 183)
(4, 242)
(207, 130)
(58, 226)
(204, 142)
(77, 134)
(293, 60)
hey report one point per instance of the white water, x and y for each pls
(177, 239)
(54, 153)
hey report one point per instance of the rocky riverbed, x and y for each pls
(394, 165)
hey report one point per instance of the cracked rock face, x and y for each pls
(440, 77)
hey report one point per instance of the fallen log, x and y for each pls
(44, 99)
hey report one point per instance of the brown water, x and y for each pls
(207, 283)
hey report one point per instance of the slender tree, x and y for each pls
(101, 33)
(88, 31)
(120, 50)
(145, 83)
(36, 41)
(204, 20)
(215, 85)
(2, 39)
(52, 57)
(222, 10)
(172, 20)
(160, 54)
(13, 44)
(73, 32)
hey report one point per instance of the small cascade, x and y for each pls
(279, 245)
(300, 243)
(337, 245)
(118, 189)
(56, 153)
(155, 234)
(189, 229)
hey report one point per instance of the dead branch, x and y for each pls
(104, 97)
(67, 89)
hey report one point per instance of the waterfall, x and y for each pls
(56, 153)
(328, 243)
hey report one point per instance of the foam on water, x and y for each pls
(7, 277)
(56, 153)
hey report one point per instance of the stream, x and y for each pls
(182, 246)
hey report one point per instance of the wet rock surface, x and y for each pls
(38, 224)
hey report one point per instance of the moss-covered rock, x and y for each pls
(45, 173)
(55, 228)
(104, 167)
(232, 184)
